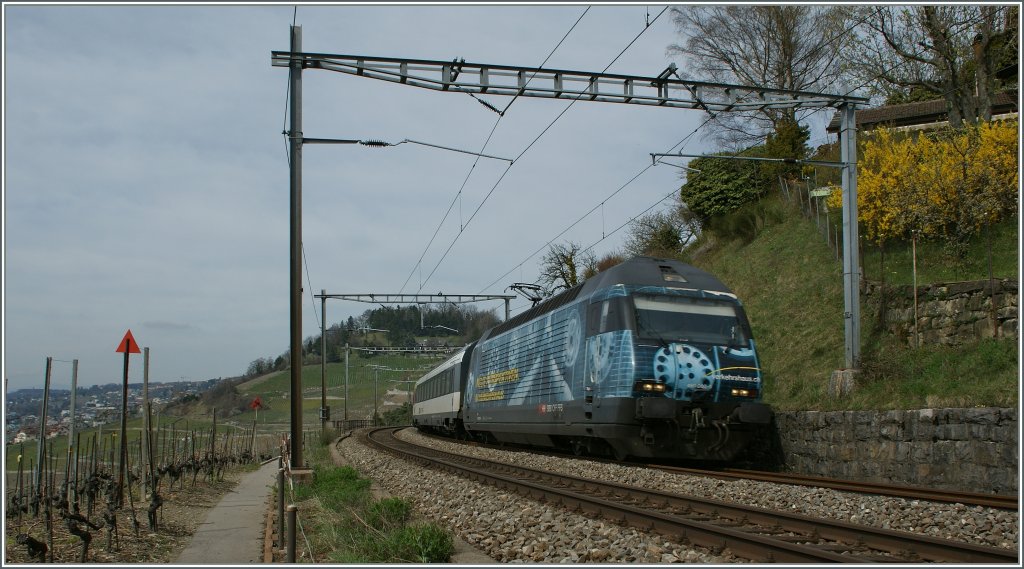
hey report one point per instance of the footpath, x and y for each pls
(238, 530)
(233, 531)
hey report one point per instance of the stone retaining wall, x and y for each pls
(950, 313)
(963, 449)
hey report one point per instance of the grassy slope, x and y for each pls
(792, 288)
(274, 390)
(935, 265)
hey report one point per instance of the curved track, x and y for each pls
(753, 533)
(1001, 501)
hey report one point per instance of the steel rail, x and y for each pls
(606, 499)
(751, 546)
(1001, 501)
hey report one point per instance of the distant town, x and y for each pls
(94, 406)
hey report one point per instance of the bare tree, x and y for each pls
(795, 47)
(661, 233)
(606, 262)
(564, 266)
(952, 51)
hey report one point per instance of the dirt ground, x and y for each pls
(182, 512)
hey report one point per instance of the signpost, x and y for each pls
(127, 346)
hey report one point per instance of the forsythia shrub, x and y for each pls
(946, 184)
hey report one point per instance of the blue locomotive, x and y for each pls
(651, 358)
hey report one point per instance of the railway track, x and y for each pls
(753, 533)
(1001, 501)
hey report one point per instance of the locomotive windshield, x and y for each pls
(675, 319)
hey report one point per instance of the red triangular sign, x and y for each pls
(128, 344)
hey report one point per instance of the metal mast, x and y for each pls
(851, 237)
(295, 163)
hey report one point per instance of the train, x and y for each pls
(649, 359)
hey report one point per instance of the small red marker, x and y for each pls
(128, 344)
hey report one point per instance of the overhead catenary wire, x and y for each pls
(478, 154)
(541, 66)
(528, 147)
(848, 92)
(458, 195)
(593, 209)
(613, 232)
(309, 283)
(630, 220)
(447, 212)
(813, 52)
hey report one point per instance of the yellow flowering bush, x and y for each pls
(948, 184)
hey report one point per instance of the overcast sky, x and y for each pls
(146, 176)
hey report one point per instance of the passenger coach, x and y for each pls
(437, 398)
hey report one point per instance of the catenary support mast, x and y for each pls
(851, 236)
(295, 161)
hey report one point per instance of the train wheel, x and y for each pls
(617, 453)
(579, 448)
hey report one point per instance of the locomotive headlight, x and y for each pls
(737, 392)
(649, 386)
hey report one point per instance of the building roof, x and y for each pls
(915, 114)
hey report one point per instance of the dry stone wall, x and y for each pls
(949, 313)
(963, 449)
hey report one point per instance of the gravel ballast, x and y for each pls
(511, 528)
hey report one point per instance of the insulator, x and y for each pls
(490, 106)
(378, 143)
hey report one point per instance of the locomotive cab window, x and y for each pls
(608, 315)
(673, 319)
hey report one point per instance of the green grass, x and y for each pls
(935, 263)
(983, 373)
(275, 390)
(792, 290)
(791, 286)
(346, 525)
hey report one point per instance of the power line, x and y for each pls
(528, 147)
(541, 66)
(877, 76)
(449, 210)
(592, 210)
(309, 283)
(501, 115)
(287, 96)
(630, 220)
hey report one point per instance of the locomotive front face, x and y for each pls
(687, 362)
(703, 350)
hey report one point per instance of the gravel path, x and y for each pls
(511, 528)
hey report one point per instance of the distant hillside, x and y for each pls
(223, 396)
(791, 285)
